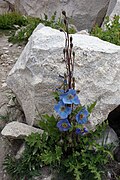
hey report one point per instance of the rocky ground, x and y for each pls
(9, 53)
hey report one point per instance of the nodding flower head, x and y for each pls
(70, 97)
(81, 131)
(82, 116)
(63, 125)
(62, 110)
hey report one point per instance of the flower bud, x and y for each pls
(65, 22)
(71, 38)
(71, 45)
(77, 91)
(64, 51)
(73, 54)
(64, 13)
(61, 30)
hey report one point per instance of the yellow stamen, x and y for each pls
(64, 125)
(81, 116)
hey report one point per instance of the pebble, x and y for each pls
(3, 80)
(3, 64)
(7, 64)
(7, 52)
(5, 48)
(4, 85)
(11, 60)
(10, 45)
(4, 55)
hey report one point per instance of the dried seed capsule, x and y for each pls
(73, 54)
(71, 38)
(65, 22)
(64, 51)
(61, 30)
(64, 13)
(71, 45)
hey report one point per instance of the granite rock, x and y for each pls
(36, 73)
(85, 14)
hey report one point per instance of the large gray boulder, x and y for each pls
(36, 73)
(85, 14)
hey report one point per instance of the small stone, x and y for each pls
(20, 152)
(3, 80)
(19, 130)
(11, 103)
(11, 60)
(10, 45)
(7, 64)
(16, 26)
(85, 31)
(4, 56)
(7, 52)
(4, 85)
(5, 48)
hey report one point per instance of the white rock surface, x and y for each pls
(3, 7)
(113, 8)
(36, 73)
(19, 130)
(109, 137)
(85, 13)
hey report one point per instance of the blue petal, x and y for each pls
(76, 100)
(61, 128)
(78, 131)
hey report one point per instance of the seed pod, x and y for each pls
(71, 45)
(61, 30)
(65, 22)
(71, 38)
(64, 13)
(73, 54)
(77, 91)
(64, 51)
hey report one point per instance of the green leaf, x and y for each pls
(91, 107)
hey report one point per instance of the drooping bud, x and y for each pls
(64, 13)
(65, 22)
(64, 51)
(73, 54)
(73, 84)
(77, 91)
(61, 30)
(71, 39)
(71, 45)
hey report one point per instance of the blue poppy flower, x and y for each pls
(81, 131)
(82, 116)
(64, 125)
(70, 97)
(62, 110)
